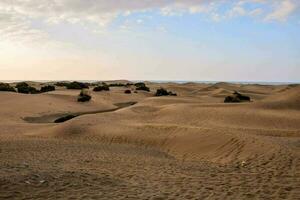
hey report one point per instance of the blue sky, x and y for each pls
(239, 40)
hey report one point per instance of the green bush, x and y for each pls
(164, 92)
(22, 84)
(28, 90)
(77, 85)
(61, 84)
(24, 88)
(140, 84)
(101, 88)
(48, 88)
(84, 96)
(6, 87)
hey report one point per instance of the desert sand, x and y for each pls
(190, 146)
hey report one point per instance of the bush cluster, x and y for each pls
(47, 88)
(77, 85)
(236, 98)
(164, 92)
(22, 84)
(116, 85)
(61, 84)
(142, 86)
(6, 87)
(84, 96)
(28, 90)
(24, 88)
(101, 88)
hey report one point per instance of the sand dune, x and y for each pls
(192, 146)
(288, 98)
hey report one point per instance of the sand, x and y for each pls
(190, 146)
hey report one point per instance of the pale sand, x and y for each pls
(192, 146)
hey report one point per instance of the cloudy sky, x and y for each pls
(214, 40)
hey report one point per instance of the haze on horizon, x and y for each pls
(238, 40)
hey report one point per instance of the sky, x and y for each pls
(191, 40)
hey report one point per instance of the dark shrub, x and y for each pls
(232, 99)
(101, 88)
(61, 84)
(24, 88)
(241, 97)
(22, 84)
(65, 118)
(84, 96)
(164, 92)
(145, 88)
(140, 84)
(161, 92)
(116, 85)
(127, 91)
(77, 85)
(28, 90)
(236, 98)
(48, 88)
(6, 87)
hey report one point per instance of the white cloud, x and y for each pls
(15, 28)
(237, 11)
(282, 10)
(16, 16)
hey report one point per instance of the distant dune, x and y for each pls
(190, 146)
